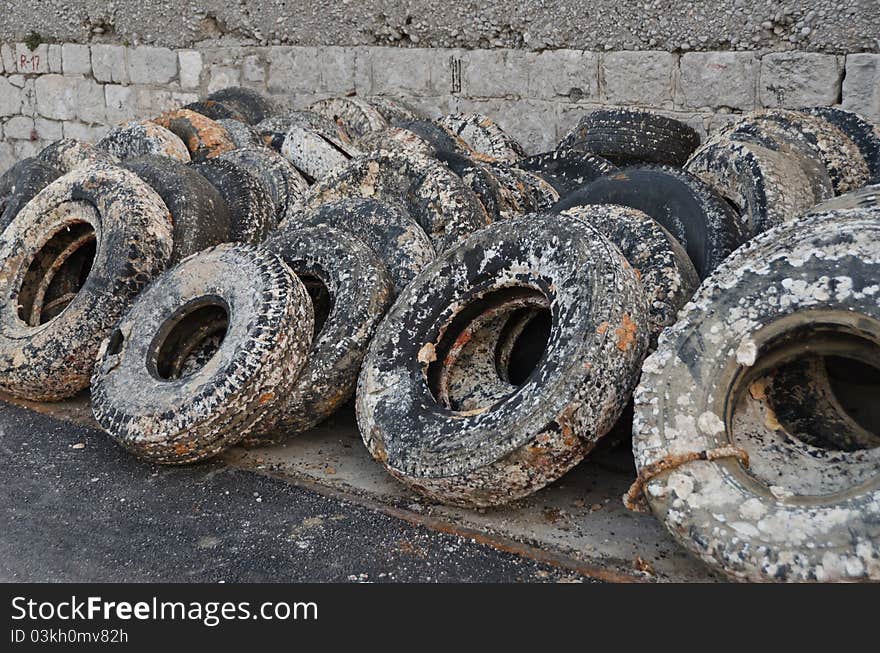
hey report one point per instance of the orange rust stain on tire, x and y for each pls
(626, 333)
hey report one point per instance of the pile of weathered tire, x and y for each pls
(234, 271)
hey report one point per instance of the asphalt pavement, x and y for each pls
(75, 507)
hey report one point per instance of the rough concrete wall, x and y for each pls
(76, 90)
(670, 25)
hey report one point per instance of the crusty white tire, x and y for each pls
(798, 511)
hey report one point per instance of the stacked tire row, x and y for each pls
(228, 273)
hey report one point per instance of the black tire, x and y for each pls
(480, 179)
(350, 291)
(198, 212)
(767, 187)
(432, 194)
(285, 184)
(20, 184)
(273, 130)
(387, 229)
(73, 260)
(204, 356)
(215, 110)
(203, 137)
(796, 511)
(543, 194)
(251, 212)
(517, 194)
(242, 134)
(699, 218)
(863, 198)
(814, 137)
(483, 135)
(660, 262)
(504, 448)
(315, 153)
(355, 116)
(135, 139)
(251, 105)
(442, 140)
(566, 170)
(68, 154)
(627, 136)
(394, 110)
(865, 135)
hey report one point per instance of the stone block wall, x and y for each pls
(80, 90)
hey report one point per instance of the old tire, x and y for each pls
(483, 135)
(350, 291)
(68, 154)
(660, 262)
(393, 236)
(796, 512)
(203, 137)
(394, 110)
(136, 139)
(567, 170)
(766, 186)
(251, 211)
(199, 213)
(433, 195)
(813, 136)
(251, 105)
(20, 184)
(241, 134)
(442, 140)
(73, 260)
(479, 178)
(285, 185)
(273, 130)
(698, 217)
(204, 356)
(315, 153)
(863, 198)
(395, 139)
(215, 110)
(860, 131)
(627, 136)
(355, 116)
(508, 447)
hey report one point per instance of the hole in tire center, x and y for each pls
(522, 344)
(489, 349)
(322, 300)
(828, 401)
(189, 339)
(56, 273)
(806, 410)
(856, 386)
